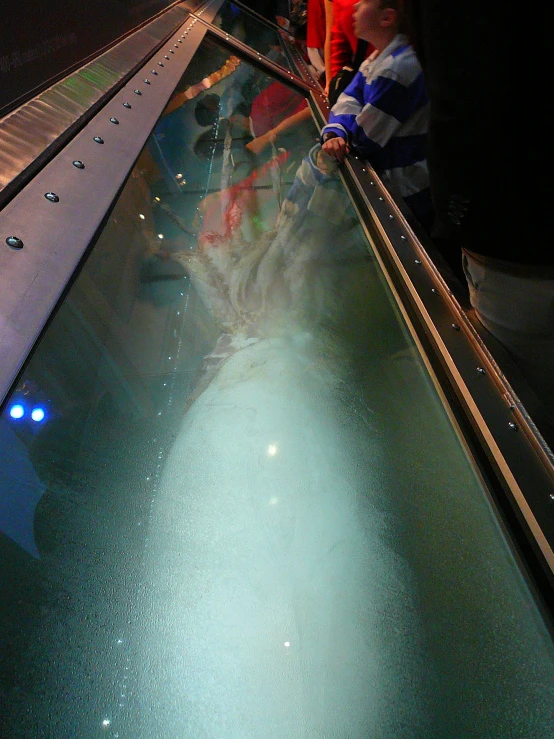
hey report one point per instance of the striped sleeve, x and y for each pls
(342, 118)
(389, 104)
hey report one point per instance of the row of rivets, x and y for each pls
(14, 242)
(454, 326)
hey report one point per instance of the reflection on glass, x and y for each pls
(253, 31)
(245, 512)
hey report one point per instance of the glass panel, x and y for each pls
(232, 503)
(252, 31)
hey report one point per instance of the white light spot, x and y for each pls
(160, 236)
(179, 176)
(157, 199)
(106, 722)
(142, 216)
(273, 501)
(287, 644)
(271, 450)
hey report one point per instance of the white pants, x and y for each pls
(518, 310)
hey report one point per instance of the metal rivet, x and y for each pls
(154, 73)
(455, 326)
(98, 139)
(481, 371)
(52, 197)
(138, 92)
(160, 64)
(513, 426)
(417, 261)
(166, 57)
(380, 198)
(114, 120)
(14, 242)
(79, 164)
(391, 216)
(171, 51)
(126, 105)
(175, 45)
(146, 82)
(551, 496)
(372, 183)
(434, 290)
(180, 41)
(403, 237)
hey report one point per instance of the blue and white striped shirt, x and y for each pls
(384, 115)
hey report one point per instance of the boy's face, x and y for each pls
(369, 18)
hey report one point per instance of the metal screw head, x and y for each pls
(52, 197)
(160, 64)
(79, 164)
(98, 139)
(114, 120)
(14, 242)
(513, 426)
(126, 105)
(481, 371)
(417, 261)
(138, 92)
(146, 82)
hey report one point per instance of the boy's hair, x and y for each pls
(400, 7)
(206, 111)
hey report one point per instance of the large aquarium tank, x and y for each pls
(233, 502)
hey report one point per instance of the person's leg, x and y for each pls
(518, 310)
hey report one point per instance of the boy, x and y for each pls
(383, 114)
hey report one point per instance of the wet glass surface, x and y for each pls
(231, 501)
(252, 31)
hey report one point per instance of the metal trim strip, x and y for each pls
(31, 134)
(519, 455)
(520, 458)
(56, 233)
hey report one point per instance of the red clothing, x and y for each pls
(273, 105)
(315, 38)
(343, 40)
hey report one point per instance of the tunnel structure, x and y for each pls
(261, 476)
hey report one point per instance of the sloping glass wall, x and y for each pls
(232, 502)
(253, 31)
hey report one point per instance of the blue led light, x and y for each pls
(37, 414)
(17, 411)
